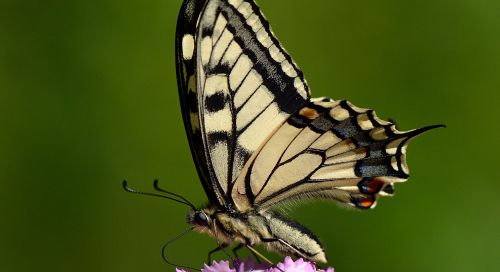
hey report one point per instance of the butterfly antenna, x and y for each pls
(185, 202)
(169, 242)
(155, 184)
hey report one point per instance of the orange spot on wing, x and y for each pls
(348, 143)
(374, 185)
(309, 113)
(367, 201)
(361, 151)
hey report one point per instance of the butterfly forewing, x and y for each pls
(246, 83)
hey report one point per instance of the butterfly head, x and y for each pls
(198, 219)
(201, 219)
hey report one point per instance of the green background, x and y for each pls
(88, 97)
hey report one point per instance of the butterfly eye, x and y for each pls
(201, 219)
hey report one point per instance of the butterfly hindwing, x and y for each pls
(327, 149)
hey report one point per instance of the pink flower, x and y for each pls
(298, 266)
(223, 266)
(250, 265)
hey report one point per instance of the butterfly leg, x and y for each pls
(262, 256)
(238, 247)
(219, 247)
(256, 253)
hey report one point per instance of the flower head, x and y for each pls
(251, 266)
(223, 266)
(298, 266)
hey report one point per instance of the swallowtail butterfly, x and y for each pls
(258, 140)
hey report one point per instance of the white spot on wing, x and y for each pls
(288, 69)
(263, 38)
(338, 113)
(276, 53)
(299, 85)
(245, 9)
(254, 22)
(364, 122)
(187, 46)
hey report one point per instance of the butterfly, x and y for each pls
(259, 141)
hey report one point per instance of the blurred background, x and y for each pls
(88, 97)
